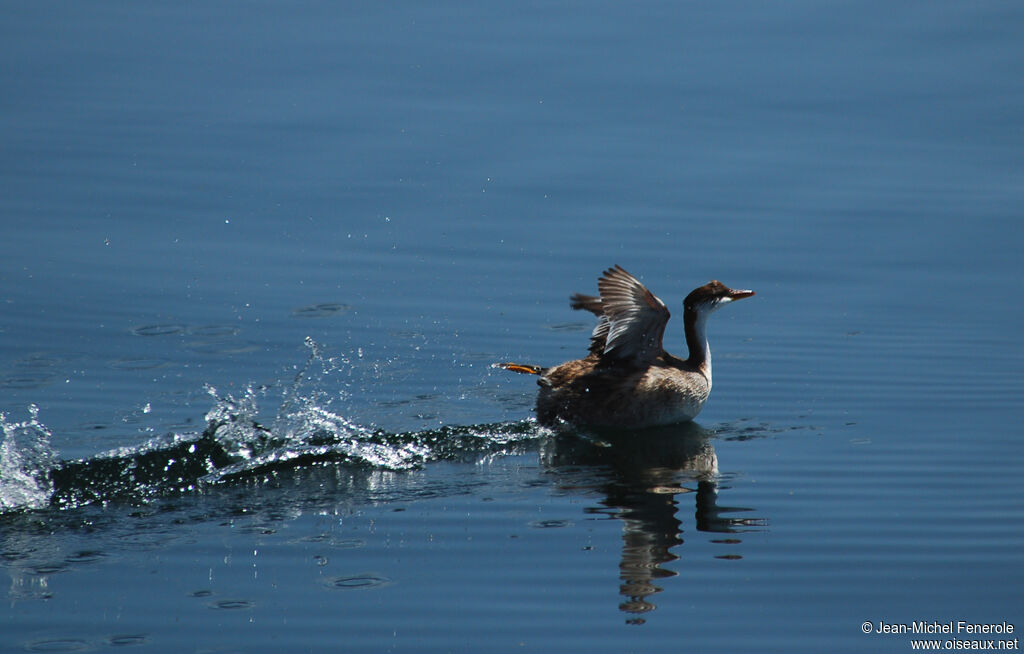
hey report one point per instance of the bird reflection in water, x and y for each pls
(642, 475)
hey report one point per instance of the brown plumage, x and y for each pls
(628, 379)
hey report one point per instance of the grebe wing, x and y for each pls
(635, 317)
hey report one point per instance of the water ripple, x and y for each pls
(357, 582)
(232, 604)
(159, 330)
(320, 310)
(123, 640)
(58, 645)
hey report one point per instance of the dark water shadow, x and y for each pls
(643, 478)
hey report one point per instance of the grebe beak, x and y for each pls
(740, 294)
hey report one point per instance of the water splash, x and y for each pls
(25, 463)
(236, 447)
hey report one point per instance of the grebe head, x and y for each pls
(712, 296)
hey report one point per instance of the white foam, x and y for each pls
(25, 463)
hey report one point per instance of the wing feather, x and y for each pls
(636, 318)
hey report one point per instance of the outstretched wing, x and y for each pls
(636, 318)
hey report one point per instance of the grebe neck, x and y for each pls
(695, 323)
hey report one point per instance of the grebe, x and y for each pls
(628, 379)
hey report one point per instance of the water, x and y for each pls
(257, 262)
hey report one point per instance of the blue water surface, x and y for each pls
(257, 261)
